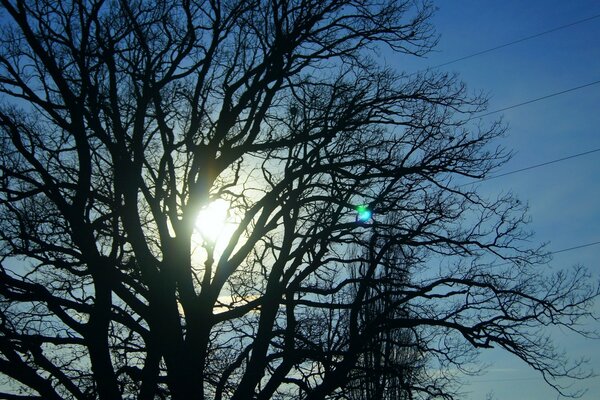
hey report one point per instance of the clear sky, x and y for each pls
(564, 197)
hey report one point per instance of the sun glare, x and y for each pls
(212, 221)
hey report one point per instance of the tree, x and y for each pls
(391, 362)
(124, 121)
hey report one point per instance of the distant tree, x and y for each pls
(391, 362)
(122, 122)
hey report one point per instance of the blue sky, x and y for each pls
(563, 197)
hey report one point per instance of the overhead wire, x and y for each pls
(522, 104)
(550, 253)
(533, 166)
(538, 99)
(581, 246)
(505, 380)
(516, 41)
(529, 102)
(532, 100)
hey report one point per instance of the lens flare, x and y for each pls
(363, 213)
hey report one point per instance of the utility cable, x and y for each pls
(516, 41)
(505, 380)
(540, 165)
(551, 253)
(576, 247)
(532, 167)
(538, 99)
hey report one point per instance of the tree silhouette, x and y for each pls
(391, 363)
(123, 121)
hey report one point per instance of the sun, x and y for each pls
(213, 222)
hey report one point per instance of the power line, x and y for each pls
(516, 41)
(576, 247)
(532, 167)
(551, 253)
(540, 165)
(539, 99)
(529, 102)
(505, 380)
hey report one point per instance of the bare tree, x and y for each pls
(391, 363)
(124, 121)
